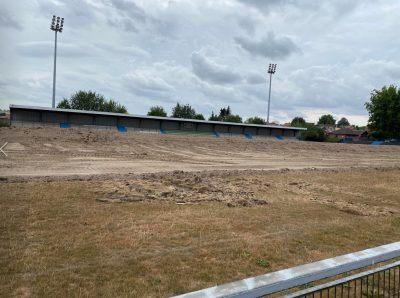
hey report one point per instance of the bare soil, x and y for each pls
(66, 152)
(97, 213)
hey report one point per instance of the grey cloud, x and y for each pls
(247, 25)
(269, 47)
(46, 48)
(336, 71)
(165, 81)
(124, 24)
(147, 83)
(254, 78)
(77, 13)
(39, 87)
(334, 8)
(6, 20)
(128, 16)
(123, 50)
(209, 71)
(264, 4)
(219, 94)
(335, 87)
(130, 9)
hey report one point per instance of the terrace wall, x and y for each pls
(38, 116)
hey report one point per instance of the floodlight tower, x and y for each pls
(57, 25)
(271, 71)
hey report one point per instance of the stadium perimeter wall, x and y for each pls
(21, 115)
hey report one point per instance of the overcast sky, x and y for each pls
(210, 54)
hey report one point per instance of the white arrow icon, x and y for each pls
(2, 147)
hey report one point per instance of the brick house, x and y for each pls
(349, 134)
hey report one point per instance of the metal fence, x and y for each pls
(379, 282)
(382, 281)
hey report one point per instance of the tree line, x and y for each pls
(186, 111)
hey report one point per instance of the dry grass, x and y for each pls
(56, 240)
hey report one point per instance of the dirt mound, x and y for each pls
(247, 189)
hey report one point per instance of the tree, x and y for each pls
(232, 118)
(343, 122)
(298, 122)
(225, 115)
(199, 117)
(213, 117)
(256, 120)
(183, 111)
(91, 101)
(64, 104)
(157, 111)
(224, 112)
(327, 119)
(384, 113)
(313, 133)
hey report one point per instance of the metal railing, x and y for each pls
(380, 282)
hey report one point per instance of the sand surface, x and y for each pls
(40, 152)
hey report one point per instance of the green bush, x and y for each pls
(157, 111)
(232, 118)
(214, 117)
(327, 119)
(183, 111)
(256, 120)
(330, 139)
(4, 124)
(313, 133)
(298, 122)
(199, 117)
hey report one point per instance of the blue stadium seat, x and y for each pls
(65, 125)
(248, 135)
(121, 128)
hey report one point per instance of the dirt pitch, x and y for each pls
(97, 213)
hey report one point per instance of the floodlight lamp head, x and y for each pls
(272, 68)
(57, 24)
(53, 22)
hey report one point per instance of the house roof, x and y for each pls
(347, 131)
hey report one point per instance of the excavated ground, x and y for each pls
(54, 152)
(98, 213)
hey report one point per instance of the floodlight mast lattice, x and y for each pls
(57, 25)
(271, 71)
